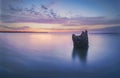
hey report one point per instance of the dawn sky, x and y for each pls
(54, 15)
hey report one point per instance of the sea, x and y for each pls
(52, 55)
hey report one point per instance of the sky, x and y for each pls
(58, 15)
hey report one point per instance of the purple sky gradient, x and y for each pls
(64, 12)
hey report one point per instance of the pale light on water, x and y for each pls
(53, 54)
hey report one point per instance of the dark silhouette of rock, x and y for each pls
(81, 41)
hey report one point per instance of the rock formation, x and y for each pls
(81, 41)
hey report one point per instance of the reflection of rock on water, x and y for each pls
(81, 53)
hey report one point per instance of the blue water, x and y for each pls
(48, 55)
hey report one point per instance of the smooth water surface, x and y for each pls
(48, 55)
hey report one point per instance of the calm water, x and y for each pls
(32, 55)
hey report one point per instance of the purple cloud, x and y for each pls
(92, 21)
(65, 21)
(15, 28)
(44, 7)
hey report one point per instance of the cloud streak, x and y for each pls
(92, 21)
(14, 28)
(78, 21)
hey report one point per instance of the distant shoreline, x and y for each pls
(58, 32)
(104, 33)
(19, 32)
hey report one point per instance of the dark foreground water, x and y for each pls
(32, 55)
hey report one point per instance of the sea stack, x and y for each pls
(81, 41)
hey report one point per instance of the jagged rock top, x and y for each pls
(81, 41)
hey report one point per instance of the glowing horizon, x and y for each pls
(38, 27)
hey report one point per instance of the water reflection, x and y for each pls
(31, 55)
(80, 53)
